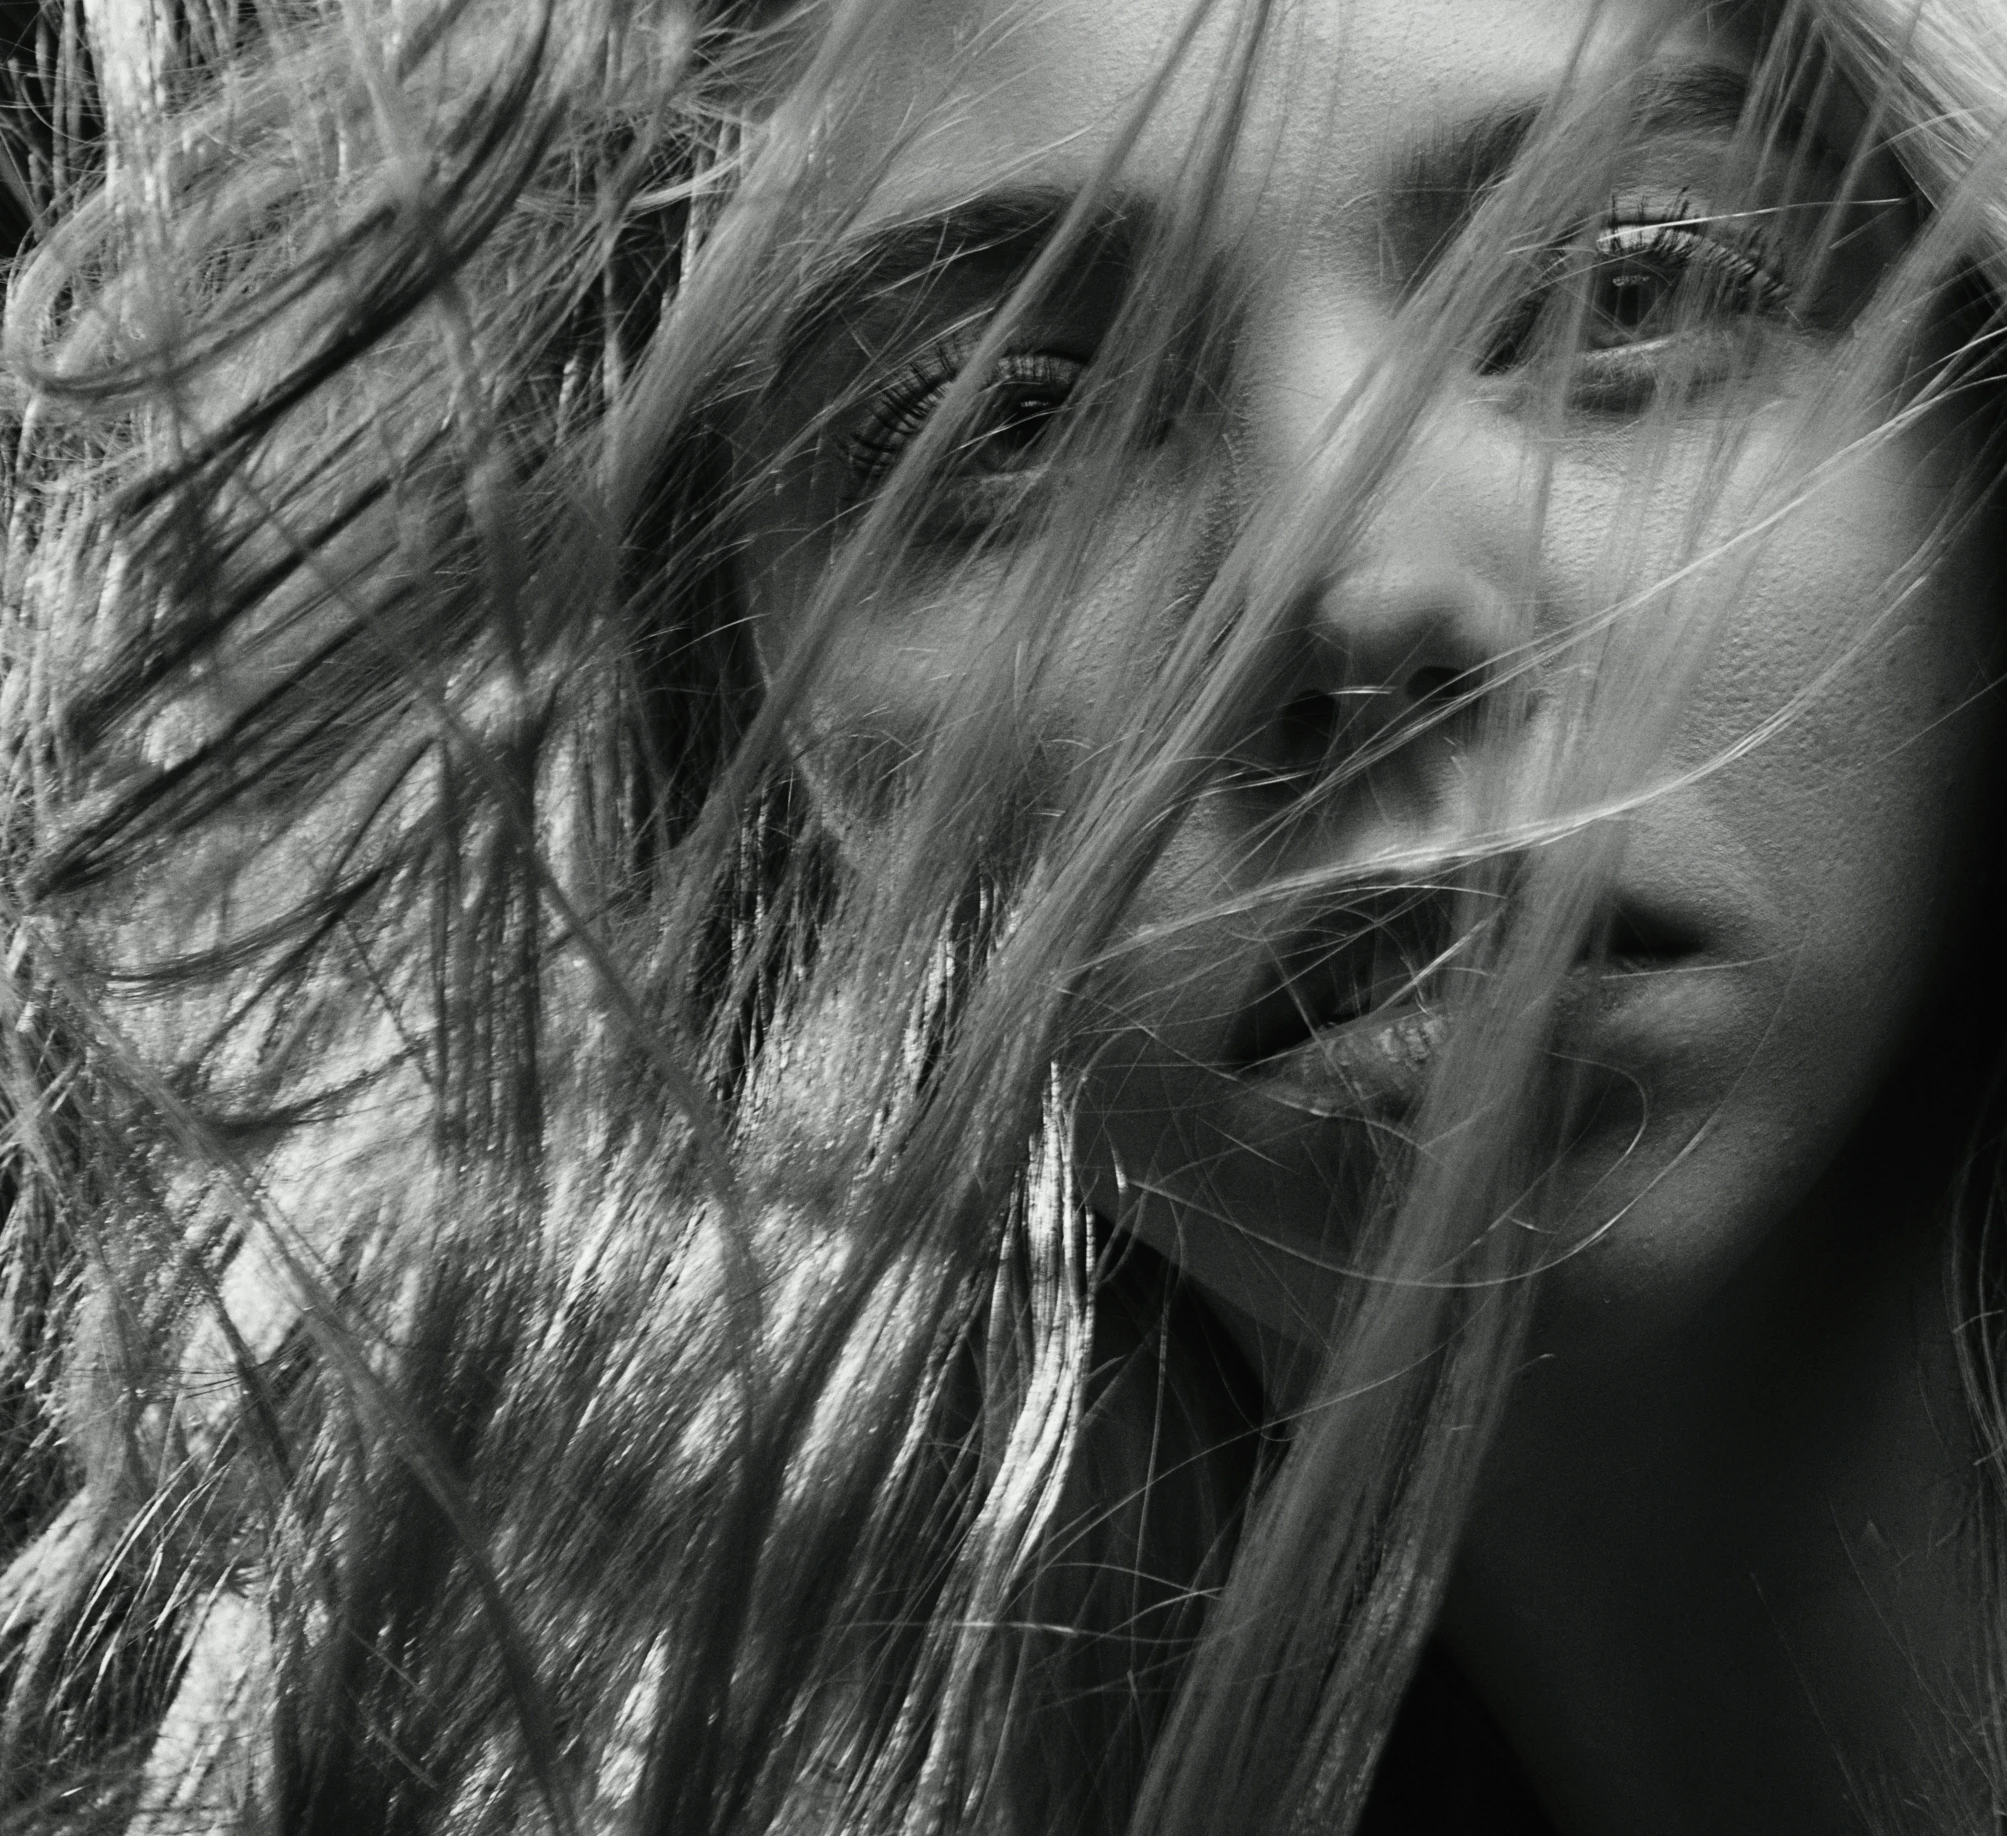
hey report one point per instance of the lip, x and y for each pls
(1366, 1069)
(1352, 1018)
(1371, 1065)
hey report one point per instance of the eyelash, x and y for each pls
(1660, 252)
(1642, 242)
(1032, 388)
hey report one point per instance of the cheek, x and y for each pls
(980, 667)
(1157, 1019)
(1862, 812)
(1833, 860)
(1847, 840)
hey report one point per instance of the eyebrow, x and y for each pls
(1462, 162)
(1441, 181)
(1453, 168)
(1001, 223)
(1703, 96)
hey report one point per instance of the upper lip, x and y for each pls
(1390, 953)
(1634, 933)
(1378, 953)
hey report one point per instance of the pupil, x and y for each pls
(1632, 297)
(1018, 422)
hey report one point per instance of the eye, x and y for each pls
(1661, 286)
(1004, 432)
(1654, 270)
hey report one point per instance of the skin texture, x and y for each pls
(1713, 1582)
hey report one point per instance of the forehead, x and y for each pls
(979, 94)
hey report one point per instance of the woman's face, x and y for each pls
(1781, 923)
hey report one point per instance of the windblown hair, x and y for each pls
(545, 1280)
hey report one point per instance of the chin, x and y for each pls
(1650, 1225)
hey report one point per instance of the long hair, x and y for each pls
(548, 1276)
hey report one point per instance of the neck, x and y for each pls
(1725, 1584)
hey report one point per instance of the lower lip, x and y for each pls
(1372, 1069)
(1368, 1069)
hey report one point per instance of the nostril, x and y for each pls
(1433, 686)
(1315, 731)
(1306, 732)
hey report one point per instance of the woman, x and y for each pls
(914, 903)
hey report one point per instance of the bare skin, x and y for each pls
(1715, 1582)
(1721, 1582)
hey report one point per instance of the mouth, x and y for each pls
(1635, 941)
(1349, 1029)
(1351, 1020)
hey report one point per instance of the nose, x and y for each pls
(1393, 664)
(1400, 644)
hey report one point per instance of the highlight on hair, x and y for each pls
(546, 1279)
